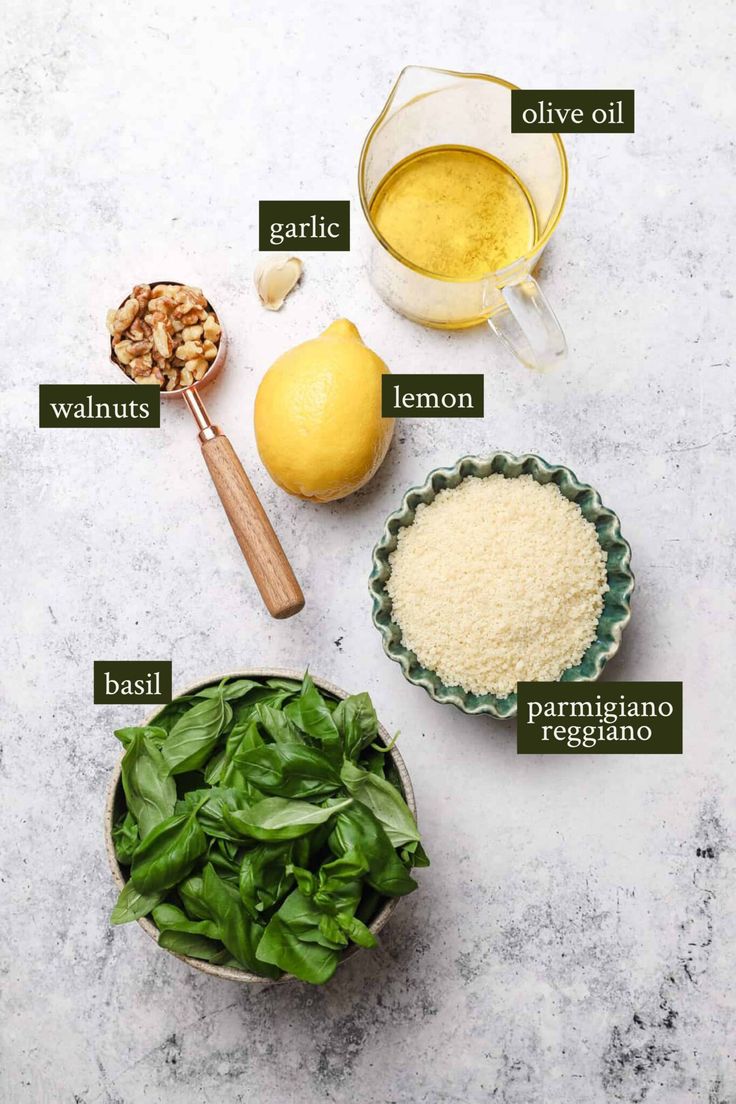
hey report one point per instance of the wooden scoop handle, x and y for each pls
(253, 531)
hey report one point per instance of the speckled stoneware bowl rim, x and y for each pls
(116, 798)
(617, 604)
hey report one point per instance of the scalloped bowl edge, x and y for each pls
(617, 604)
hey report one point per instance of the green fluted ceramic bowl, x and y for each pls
(617, 605)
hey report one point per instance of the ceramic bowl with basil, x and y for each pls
(262, 826)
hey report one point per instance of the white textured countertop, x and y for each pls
(573, 940)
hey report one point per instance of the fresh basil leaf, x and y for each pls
(276, 725)
(264, 879)
(149, 792)
(132, 905)
(289, 770)
(170, 714)
(244, 710)
(340, 884)
(154, 732)
(340, 900)
(191, 895)
(331, 930)
(214, 769)
(240, 934)
(310, 712)
(194, 737)
(211, 803)
(191, 800)
(293, 942)
(227, 868)
(291, 685)
(278, 818)
(125, 838)
(168, 853)
(229, 849)
(414, 855)
(230, 691)
(242, 737)
(356, 721)
(356, 829)
(194, 946)
(384, 801)
(356, 930)
(168, 917)
(306, 881)
(345, 869)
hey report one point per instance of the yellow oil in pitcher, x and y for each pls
(455, 211)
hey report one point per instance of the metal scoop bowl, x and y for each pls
(253, 531)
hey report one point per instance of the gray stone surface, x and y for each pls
(572, 942)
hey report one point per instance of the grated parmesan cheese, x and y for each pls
(498, 581)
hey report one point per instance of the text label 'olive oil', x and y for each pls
(572, 111)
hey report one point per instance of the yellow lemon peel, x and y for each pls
(317, 416)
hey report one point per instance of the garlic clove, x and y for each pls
(275, 277)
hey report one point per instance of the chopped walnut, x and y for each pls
(162, 340)
(197, 367)
(211, 328)
(191, 333)
(168, 335)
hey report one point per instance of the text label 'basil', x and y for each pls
(117, 682)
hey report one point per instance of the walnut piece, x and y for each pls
(211, 328)
(167, 335)
(162, 340)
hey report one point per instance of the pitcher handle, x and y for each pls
(528, 325)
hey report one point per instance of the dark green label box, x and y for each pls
(134, 681)
(599, 718)
(293, 225)
(98, 406)
(438, 395)
(572, 110)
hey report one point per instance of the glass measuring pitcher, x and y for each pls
(430, 108)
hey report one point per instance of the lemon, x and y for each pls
(317, 416)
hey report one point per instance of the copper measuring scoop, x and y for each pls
(253, 531)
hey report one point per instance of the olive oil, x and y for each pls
(455, 211)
